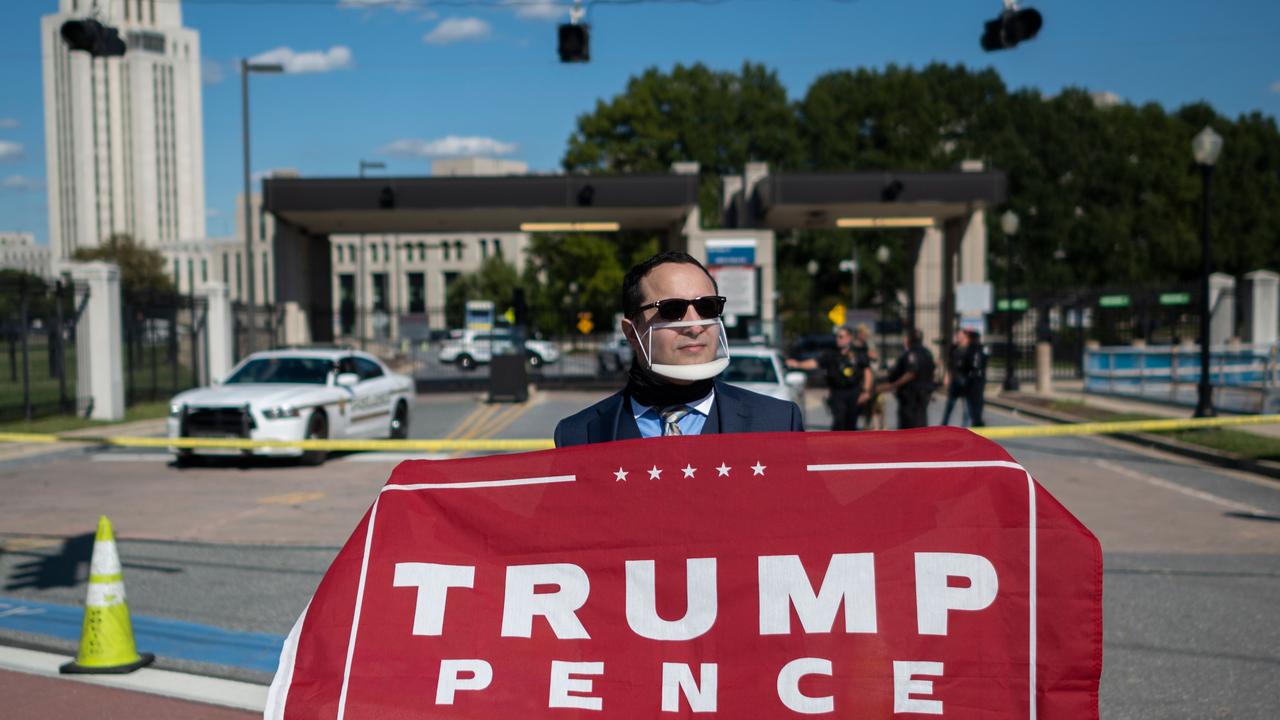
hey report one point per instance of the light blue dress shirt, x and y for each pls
(650, 422)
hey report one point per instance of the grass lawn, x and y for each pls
(1239, 442)
(63, 423)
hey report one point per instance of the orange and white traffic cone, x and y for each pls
(106, 639)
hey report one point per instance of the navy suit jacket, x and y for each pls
(734, 411)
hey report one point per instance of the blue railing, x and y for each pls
(1245, 378)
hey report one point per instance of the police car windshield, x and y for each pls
(746, 369)
(303, 371)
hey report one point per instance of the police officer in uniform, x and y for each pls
(911, 380)
(959, 374)
(847, 371)
(977, 378)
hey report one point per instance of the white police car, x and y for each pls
(296, 395)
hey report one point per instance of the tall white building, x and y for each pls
(124, 136)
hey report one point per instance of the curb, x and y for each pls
(1265, 468)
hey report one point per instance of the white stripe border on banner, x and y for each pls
(1031, 532)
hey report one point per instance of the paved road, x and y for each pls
(1192, 553)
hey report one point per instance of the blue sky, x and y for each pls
(398, 80)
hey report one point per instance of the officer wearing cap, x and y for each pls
(911, 381)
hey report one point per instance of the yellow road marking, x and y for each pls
(18, 544)
(476, 416)
(295, 498)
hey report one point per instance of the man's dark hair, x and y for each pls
(915, 338)
(632, 298)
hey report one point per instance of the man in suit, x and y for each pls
(671, 318)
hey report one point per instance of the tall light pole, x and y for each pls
(1205, 147)
(882, 256)
(360, 281)
(247, 67)
(1009, 223)
(813, 268)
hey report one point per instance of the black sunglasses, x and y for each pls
(708, 307)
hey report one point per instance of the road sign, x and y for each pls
(510, 315)
(585, 326)
(1113, 301)
(836, 314)
(1018, 304)
(1175, 298)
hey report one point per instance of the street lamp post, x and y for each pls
(812, 267)
(247, 67)
(882, 256)
(1205, 147)
(361, 285)
(1009, 223)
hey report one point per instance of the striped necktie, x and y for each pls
(671, 419)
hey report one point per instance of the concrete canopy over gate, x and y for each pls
(308, 210)
(951, 247)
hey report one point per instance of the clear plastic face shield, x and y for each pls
(672, 339)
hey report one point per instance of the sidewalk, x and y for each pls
(24, 452)
(30, 687)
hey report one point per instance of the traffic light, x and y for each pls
(1012, 27)
(93, 37)
(575, 43)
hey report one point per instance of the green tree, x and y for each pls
(570, 274)
(496, 280)
(142, 269)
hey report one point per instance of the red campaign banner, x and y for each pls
(870, 575)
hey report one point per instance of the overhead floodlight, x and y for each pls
(871, 223)
(532, 227)
(1011, 27)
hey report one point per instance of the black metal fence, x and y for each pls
(164, 345)
(38, 362)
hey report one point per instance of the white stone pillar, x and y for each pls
(99, 347)
(218, 331)
(1222, 308)
(1262, 307)
(296, 330)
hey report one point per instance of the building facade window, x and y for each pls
(204, 270)
(497, 248)
(417, 293)
(380, 292)
(457, 248)
(484, 249)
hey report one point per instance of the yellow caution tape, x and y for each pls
(496, 445)
(1127, 426)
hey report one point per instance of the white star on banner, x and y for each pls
(723, 470)
(620, 476)
(689, 470)
(757, 469)
(654, 473)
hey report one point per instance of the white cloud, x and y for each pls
(540, 9)
(20, 182)
(452, 30)
(10, 150)
(313, 61)
(448, 146)
(8, 123)
(397, 5)
(1275, 87)
(211, 72)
